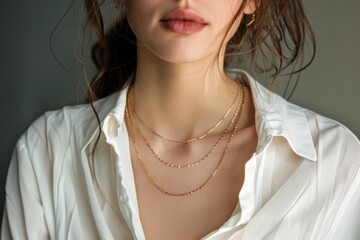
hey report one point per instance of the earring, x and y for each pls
(252, 20)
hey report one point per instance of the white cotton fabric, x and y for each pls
(302, 182)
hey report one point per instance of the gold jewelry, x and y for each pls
(252, 20)
(151, 179)
(206, 155)
(191, 139)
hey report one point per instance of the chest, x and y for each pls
(195, 215)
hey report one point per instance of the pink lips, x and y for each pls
(183, 21)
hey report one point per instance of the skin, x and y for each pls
(181, 91)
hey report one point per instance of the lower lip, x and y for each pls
(183, 27)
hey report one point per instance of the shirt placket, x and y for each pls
(126, 192)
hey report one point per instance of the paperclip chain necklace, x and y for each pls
(197, 163)
(194, 138)
(152, 180)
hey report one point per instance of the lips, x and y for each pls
(183, 21)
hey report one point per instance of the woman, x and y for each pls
(175, 145)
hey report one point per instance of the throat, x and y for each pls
(186, 114)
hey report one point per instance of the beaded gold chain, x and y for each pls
(194, 164)
(152, 180)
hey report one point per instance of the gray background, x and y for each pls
(33, 82)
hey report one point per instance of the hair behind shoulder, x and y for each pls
(274, 43)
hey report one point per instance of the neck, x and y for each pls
(181, 100)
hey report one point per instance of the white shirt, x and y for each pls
(303, 181)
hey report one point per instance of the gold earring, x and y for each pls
(252, 20)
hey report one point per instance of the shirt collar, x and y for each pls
(115, 118)
(110, 111)
(274, 117)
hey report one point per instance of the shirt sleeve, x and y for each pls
(24, 211)
(347, 220)
(338, 181)
(347, 226)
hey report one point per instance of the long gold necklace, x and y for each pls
(194, 138)
(152, 180)
(194, 164)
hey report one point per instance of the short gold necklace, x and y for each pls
(194, 164)
(152, 180)
(194, 138)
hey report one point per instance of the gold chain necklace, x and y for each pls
(194, 138)
(194, 164)
(152, 180)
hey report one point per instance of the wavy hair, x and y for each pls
(274, 43)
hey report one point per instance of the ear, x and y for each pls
(250, 7)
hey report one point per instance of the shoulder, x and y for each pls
(333, 175)
(44, 166)
(338, 155)
(332, 138)
(308, 133)
(337, 175)
(55, 131)
(56, 126)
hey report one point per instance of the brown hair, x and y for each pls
(278, 36)
(274, 43)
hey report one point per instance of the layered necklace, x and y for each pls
(130, 112)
